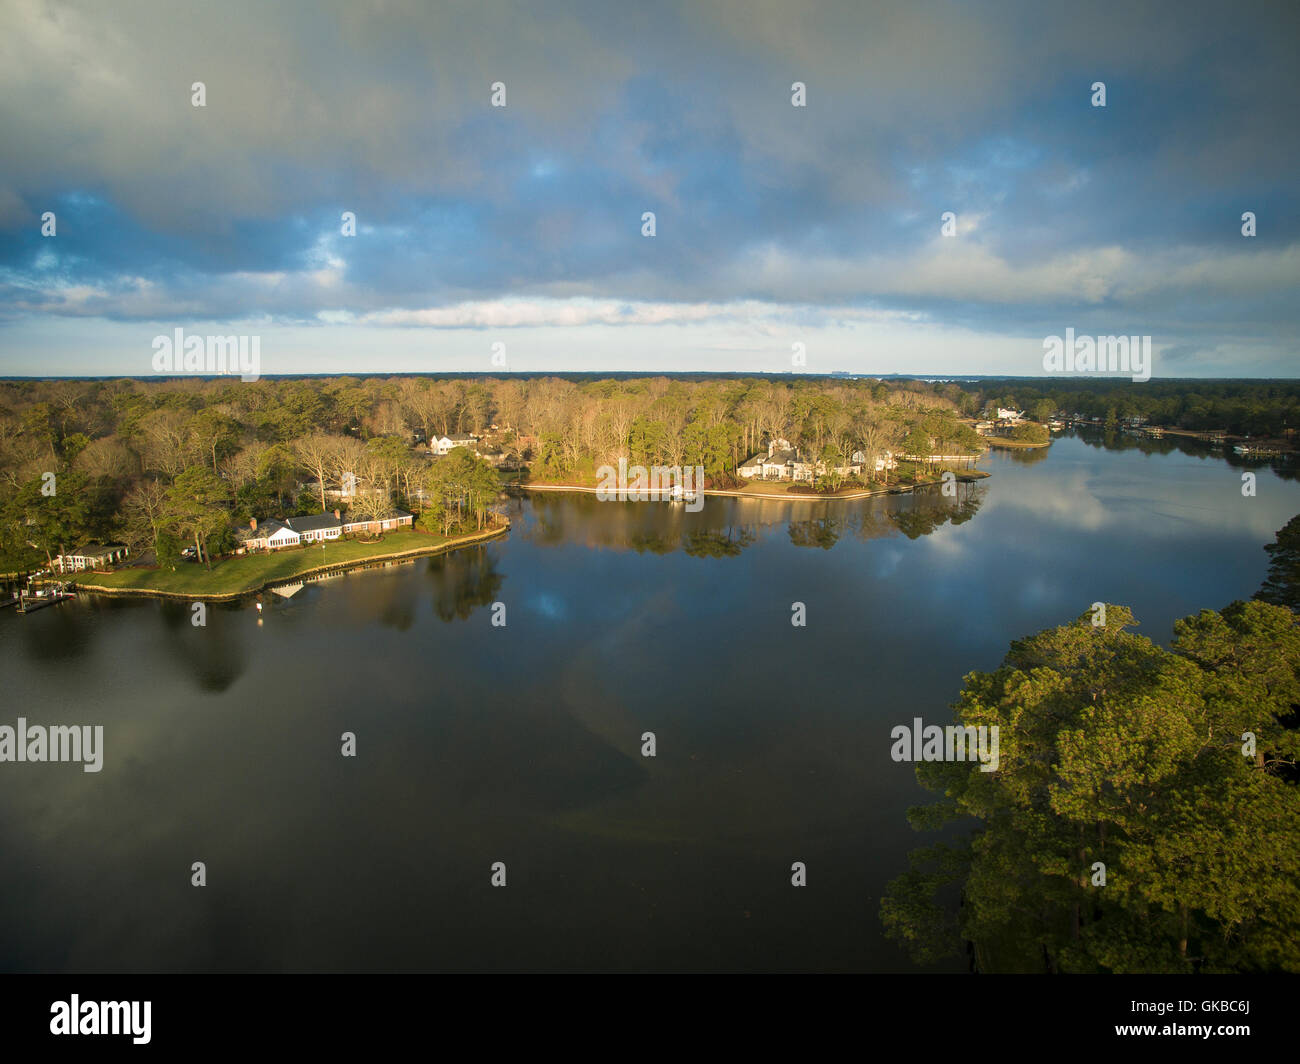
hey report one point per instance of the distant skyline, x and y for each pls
(775, 225)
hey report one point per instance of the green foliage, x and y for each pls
(198, 507)
(1029, 432)
(1282, 585)
(1115, 750)
(463, 486)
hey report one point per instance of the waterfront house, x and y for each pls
(444, 444)
(779, 463)
(268, 535)
(91, 556)
(784, 462)
(316, 528)
(392, 521)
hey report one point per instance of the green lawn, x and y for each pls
(239, 575)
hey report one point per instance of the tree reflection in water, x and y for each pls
(463, 581)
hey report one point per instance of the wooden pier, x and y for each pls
(29, 602)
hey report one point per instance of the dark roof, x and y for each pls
(266, 528)
(313, 522)
(94, 550)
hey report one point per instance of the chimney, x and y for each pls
(253, 524)
(336, 516)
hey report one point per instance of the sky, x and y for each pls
(512, 238)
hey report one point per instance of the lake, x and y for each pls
(522, 743)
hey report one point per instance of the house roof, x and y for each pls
(266, 528)
(313, 522)
(95, 550)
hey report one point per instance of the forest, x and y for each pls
(1240, 407)
(159, 463)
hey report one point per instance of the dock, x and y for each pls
(30, 602)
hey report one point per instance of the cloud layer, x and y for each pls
(1118, 219)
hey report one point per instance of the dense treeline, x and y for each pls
(1246, 408)
(156, 463)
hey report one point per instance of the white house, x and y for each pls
(784, 462)
(315, 528)
(269, 535)
(91, 556)
(886, 461)
(1006, 414)
(443, 444)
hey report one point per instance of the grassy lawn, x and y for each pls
(238, 575)
(785, 487)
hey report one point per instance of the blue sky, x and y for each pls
(776, 225)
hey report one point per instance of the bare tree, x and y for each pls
(108, 457)
(166, 443)
(318, 455)
(145, 509)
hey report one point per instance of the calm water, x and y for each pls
(522, 744)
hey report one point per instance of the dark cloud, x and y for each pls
(1127, 217)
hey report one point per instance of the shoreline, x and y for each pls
(1015, 445)
(356, 563)
(866, 493)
